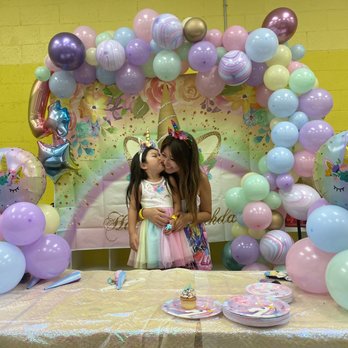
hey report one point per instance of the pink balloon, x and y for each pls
(306, 266)
(49, 64)
(304, 163)
(317, 204)
(214, 36)
(295, 65)
(257, 215)
(87, 35)
(256, 267)
(142, 24)
(209, 84)
(234, 38)
(262, 95)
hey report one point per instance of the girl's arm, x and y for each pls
(132, 223)
(205, 208)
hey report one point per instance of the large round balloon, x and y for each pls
(22, 177)
(227, 259)
(331, 170)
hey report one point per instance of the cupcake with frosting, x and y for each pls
(188, 298)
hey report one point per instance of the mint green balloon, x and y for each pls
(235, 200)
(273, 200)
(148, 67)
(262, 165)
(105, 35)
(42, 73)
(256, 187)
(302, 80)
(337, 278)
(183, 50)
(220, 52)
(167, 65)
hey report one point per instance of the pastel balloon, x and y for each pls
(167, 65)
(148, 67)
(104, 76)
(12, 266)
(255, 187)
(91, 58)
(202, 56)
(327, 228)
(142, 24)
(257, 234)
(110, 55)
(285, 182)
(235, 67)
(87, 35)
(123, 35)
(245, 250)
(331, 170)
(306, 266)
(22, 223)
(297, 51)
(299, 119)
(256, 75)
(227, 259)
(137, 51)
(283, 22)
(257, 215)
(317, 204)
(280, 160)
(274, 246)
(304, 163)
(167, 31)
(62, 84)
(130, 79)
(271, 178)
(281, 57)
(336, 277)
(52, 218)
(284, 134)
(104, 36)
(183, 50)
(85, 74)
(273, 200)
(314, 134)
(209, 84)
(316, 103)
(42, 73)
(19, 170)
(262, 95)
(235, 199)
(295, 65)
(302, 80)
(297, 201)
(238, 230)
(276, 77)
(214, 36)
(283, 103)
(234, 38)
(261, 45)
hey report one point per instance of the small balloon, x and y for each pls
(195, 29)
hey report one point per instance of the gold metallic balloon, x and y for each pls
(195, 29)
(277, 221)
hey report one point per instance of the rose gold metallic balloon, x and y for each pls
(277, 221)
(195, 29)
(37, 108)
(283, 22)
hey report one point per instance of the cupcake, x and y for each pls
(188, 298)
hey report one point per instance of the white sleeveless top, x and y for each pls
(156, 194)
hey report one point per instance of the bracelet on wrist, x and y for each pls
(174, 217)
(141, 216)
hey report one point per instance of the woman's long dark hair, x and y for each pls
(186, 155)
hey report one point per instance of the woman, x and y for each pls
(180, 158)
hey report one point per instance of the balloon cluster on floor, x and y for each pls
(27, 240)
(305, 146)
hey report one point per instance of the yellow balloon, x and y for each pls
(238, 230)
(256, 234)
(51, 216)
(276, 77)
(91, 57)
(282, 57)
(316, 83)
(276, 120)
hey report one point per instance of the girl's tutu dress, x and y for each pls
(156, 249)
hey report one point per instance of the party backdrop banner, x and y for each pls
(231, 130)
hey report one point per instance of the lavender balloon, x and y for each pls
(202, 56)
(138, 52)
(22, 223)
(245, 250)
(285, 182)
(257, 71)
(235, 67)
(130, 79)
(85, 74)
(66, 51)
(47, 257)
(316, 104)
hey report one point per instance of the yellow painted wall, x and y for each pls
(26, 26)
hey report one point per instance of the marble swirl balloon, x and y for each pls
(274, 246)
(22, 177)
(110, 55)
(331, 170)
(235, 67)
(167, 31)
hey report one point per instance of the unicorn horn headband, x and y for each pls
(177, 133)
(147, 143)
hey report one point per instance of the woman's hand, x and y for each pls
(181, 222)
(157, 216)
(134, 241)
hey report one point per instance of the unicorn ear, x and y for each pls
(209, 144)
(130, 147)
(20, 172)
(3, 167)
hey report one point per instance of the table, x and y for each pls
(92, 313)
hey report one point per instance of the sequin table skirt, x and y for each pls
(92, 313)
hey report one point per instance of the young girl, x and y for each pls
(153, 246)
(180, 157)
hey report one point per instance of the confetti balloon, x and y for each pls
(274, 246)
(235, 67)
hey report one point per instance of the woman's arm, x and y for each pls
(158, 216)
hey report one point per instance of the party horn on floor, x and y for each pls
(70, 278)
(32, 282)
(120, 279)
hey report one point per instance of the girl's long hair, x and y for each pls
(137, 174)
(186, 155)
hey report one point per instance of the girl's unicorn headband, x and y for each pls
(147, 143)
(177, 133)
